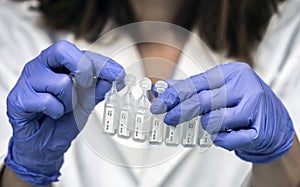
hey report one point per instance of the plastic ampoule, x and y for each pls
(157, 121)
(204, 139)
(111, 110)
(126, 119)
(142, 117)
(190, 133)
(173, 135)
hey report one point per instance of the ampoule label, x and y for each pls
(190, 132)
(172, 135)
(139, 133)
(109, 117)
(205, 140)
(156, 134)
(124, 124)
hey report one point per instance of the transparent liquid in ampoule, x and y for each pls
(157, 121)
(173, 135)
(142, 117)
(127, 110)
(204, 138)
(110, 114)
(190, 133)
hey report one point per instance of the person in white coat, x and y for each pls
(45, 120)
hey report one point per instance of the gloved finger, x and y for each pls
(45, 103)
(153, 90)
(106, 68)
(209, 80)
(59, 85)
(64, 54)
(170, 83)
(184, 89)
(120, 85)
(172, 97)
(199, 104)
(225, 119)
(234, 139)
(210, 100)
(182, 112)
(103, 86)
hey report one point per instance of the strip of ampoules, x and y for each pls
(127, 111)
(110, 114)
(157, 121)
(204, 138)
(190, 133)
(142, 117)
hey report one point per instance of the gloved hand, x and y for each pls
(238, 109)
(49, 106)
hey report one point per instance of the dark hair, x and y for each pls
(233, 26)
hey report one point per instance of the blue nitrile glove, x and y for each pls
(49, 106)
(239, 110)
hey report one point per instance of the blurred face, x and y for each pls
(155, 54)
(156, 10)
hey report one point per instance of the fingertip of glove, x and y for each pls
(158, 107)
(172, 120)
(56, 112)
(120, 85)
(121, 75)
(169, 123)
(56, 116)
(112, 71)
(153, 90)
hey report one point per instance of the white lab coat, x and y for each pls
(95, 159)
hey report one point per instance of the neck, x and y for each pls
(159, 60)
(156, 10)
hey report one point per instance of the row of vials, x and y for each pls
(128, 117)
